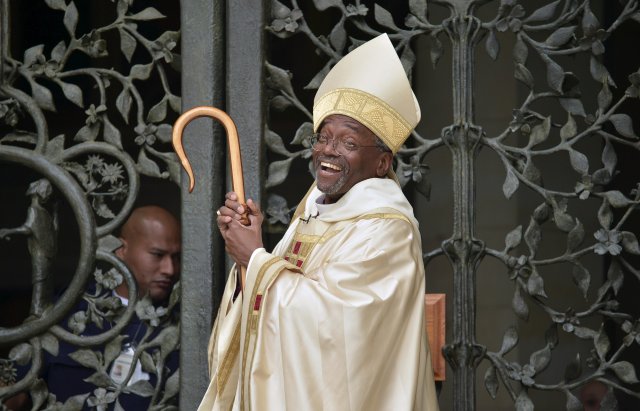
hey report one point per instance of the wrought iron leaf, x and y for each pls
(86, 357)
(408, 60)
(279, 79)
(551, 335)
(617, 199)
(604, 96)
(141, 71)
(72, 92)
(540, 359)
(491, 381)
(523, 402)
(147, 362)
(573, 369)
(302, 133)
(590, 23)
(519, 305)
(630, 242)
(325, 4)
(569, 129)
(609, 157)
(71, 18)
(50, 343)
(31, 54)
(520, 51)
(492, 45)
(87, 133)
(599, 72)
(150, 13)
(21, 353)
(58, 51)
(38, 394)
(543, 13)
(42, 96)
(602, 344)
(55, 147)
(112, 349)
(584, 333)
(573, 106)
(128, 44)
(172, 386)
(523, 74)
(280, 103)
(384, 18)
(581, 277)
(142, 388)
(560, 37)
(148, 166)
(532, 236)
(579, 161)
(163, 132)
(615, 276)
(435, 50)
(123, 104)
(563, 220)
(111, 133)
(573, 403)
(625, 371)
(56, 4)
(278, 171)
(158, 112)
(555, 74)
(575, 237)
(623, 124)
(317, 79)
(277, 209)
(541, 213)
(511, 183)
(338, 37)
(535, 284)
(605, 214)
(540, 132)
(169, 338)
(513, 239)
(75, 403)
(509, 340)
(418, 7)
(275, 143)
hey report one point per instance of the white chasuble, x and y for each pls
(333, 318)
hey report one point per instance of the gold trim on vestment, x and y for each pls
(229, 359)
(248, 333)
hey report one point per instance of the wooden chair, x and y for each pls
(435, 321)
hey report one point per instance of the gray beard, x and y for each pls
(335, 187)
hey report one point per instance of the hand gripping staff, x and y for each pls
(235, 159)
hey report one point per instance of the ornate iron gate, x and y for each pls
(268, 90)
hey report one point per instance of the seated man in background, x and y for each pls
(95, 375)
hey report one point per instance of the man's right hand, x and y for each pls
(240, 241)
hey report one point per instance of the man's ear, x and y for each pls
(121, 250)
(385, 161)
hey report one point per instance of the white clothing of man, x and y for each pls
(333, 318)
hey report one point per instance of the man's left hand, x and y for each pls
(240, 241)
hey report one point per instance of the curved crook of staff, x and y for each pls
(235, 158)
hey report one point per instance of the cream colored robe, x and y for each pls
(333, 319)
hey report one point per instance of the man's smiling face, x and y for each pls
(337, 172)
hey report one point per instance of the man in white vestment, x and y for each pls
(333, 318)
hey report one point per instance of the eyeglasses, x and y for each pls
(340, 145)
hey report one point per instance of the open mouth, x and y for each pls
(329, 167)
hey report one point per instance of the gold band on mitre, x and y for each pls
(370, 85)
(367, 109)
